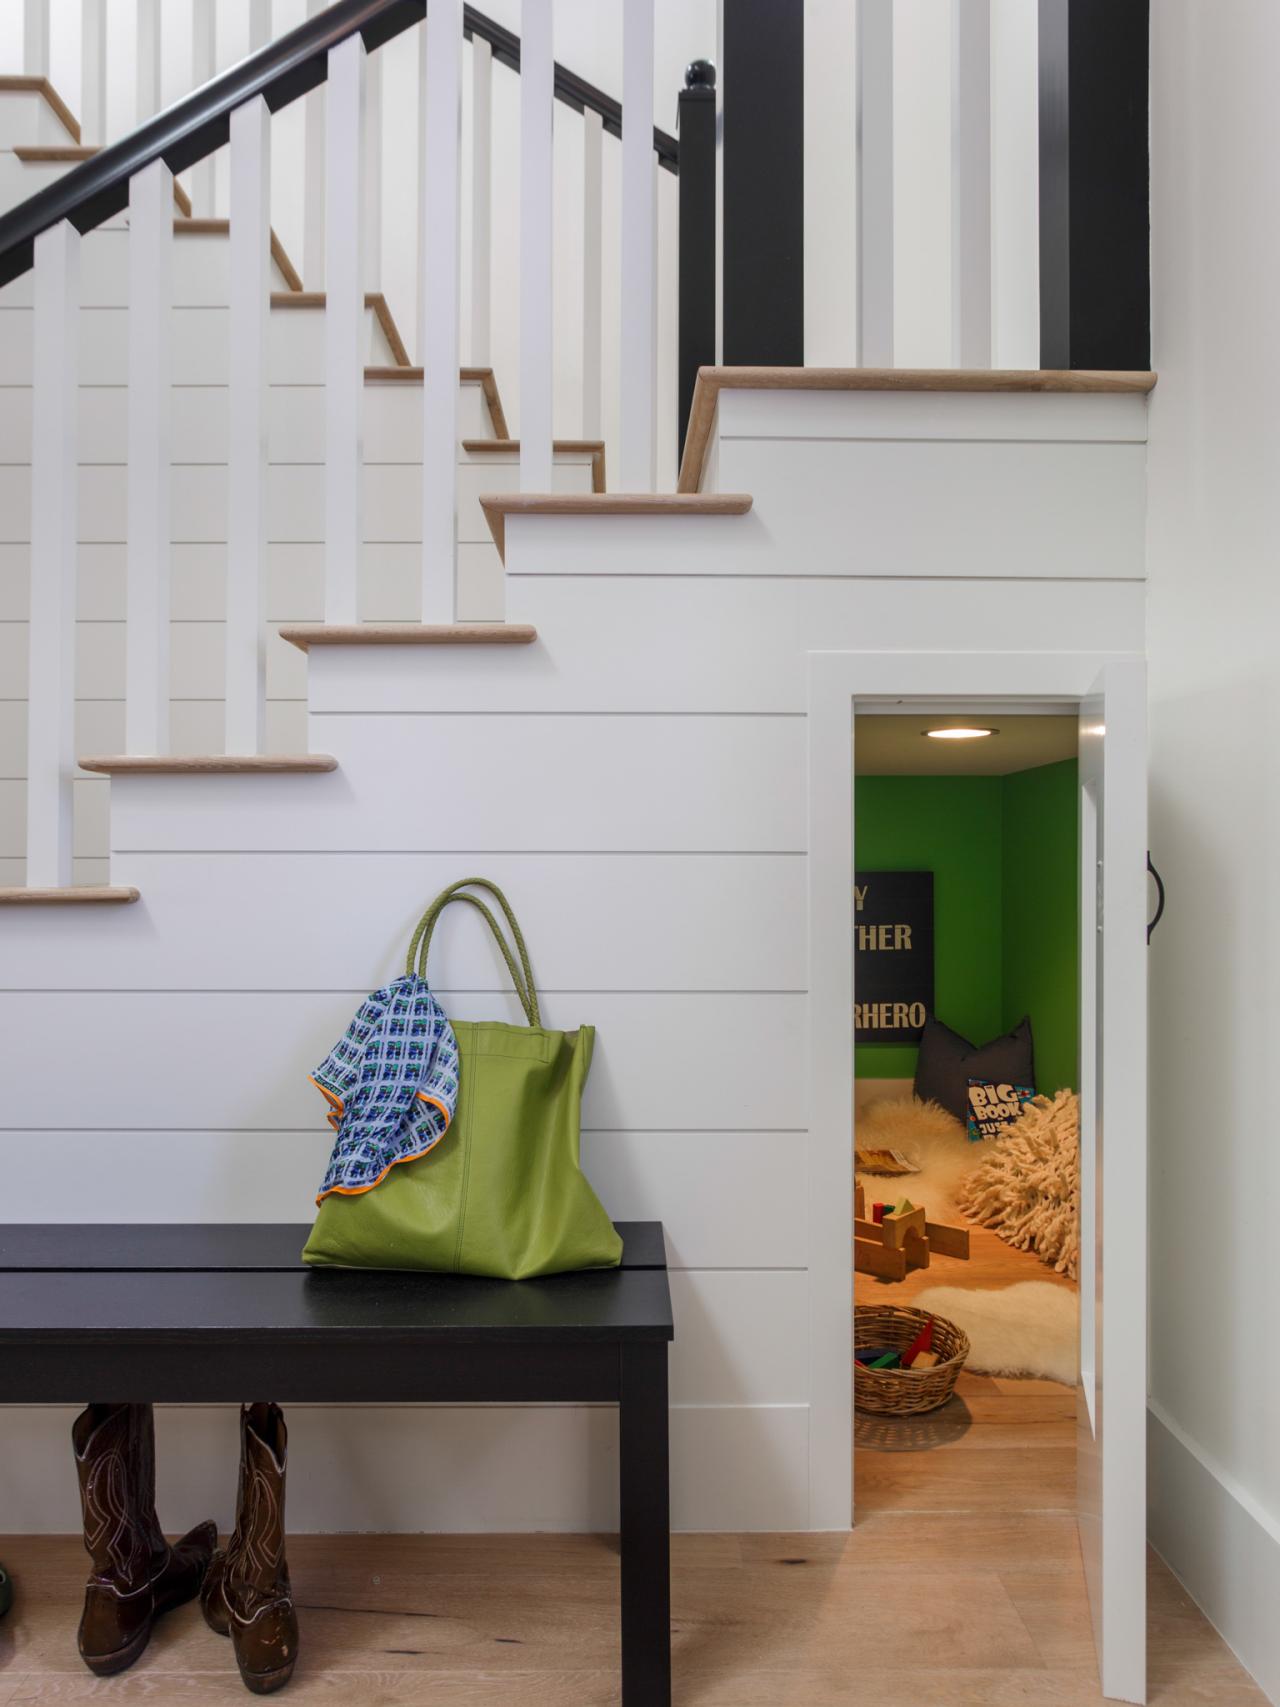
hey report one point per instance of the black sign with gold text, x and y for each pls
(893, 955)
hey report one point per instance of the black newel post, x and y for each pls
(697, 335)
(763, 177)
(1095, 275)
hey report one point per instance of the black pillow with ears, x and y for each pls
(948, 1061)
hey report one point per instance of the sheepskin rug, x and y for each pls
(931, 1139)
(1026, 1187)
(1030, 1329)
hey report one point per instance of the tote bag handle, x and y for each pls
(521, 976)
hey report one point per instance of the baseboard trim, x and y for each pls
(1223, 1547)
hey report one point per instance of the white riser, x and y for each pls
(295, 422)
(598, 638)
(732, 922)
(716, 1218)
(27, 119)
(389, 581)
(196, 726)
(483, 1468)
(240, 1061)
(200, 346)
(201, 270)
(624, 784)
(295, 501)
(92, 817)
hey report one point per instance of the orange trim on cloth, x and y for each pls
(336, 1102)
(359, 1190)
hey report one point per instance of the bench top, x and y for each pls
(245, 1282)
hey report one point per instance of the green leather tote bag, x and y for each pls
(503, 1192)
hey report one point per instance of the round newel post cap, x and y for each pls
(700, 75)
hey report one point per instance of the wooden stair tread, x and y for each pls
(209, 764)
(594, 448)
(481, 376)
(222, 228)
(305, 635)
(42, 86)
(64, 154)
(86, 894)
(499, 506)
(712, 381)
(373, 299)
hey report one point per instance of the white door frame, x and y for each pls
(837, 682)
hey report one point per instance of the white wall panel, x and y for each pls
(598, 637)
(626, 784)
(593, 921)
(542, 1467)
(703, 1186)
(1031, 416)
(200, 346)
(240, 1060)
(937, 508)
(742, 1337)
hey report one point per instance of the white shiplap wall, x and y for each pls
(637, 783)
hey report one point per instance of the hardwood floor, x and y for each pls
(933, 1608)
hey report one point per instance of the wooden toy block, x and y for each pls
(947, 1241)
(896, 1227)
(871, 1257)
(899, 1243)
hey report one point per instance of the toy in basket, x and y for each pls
(929, 1377)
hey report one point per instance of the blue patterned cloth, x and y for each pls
(391, 1082)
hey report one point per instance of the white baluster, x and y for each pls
(146, 705)
(35, 38)
(204, 63)
(440, 216)
(875, 183)
(537, 92)
(373, 174)
(420, 321)
(639, 341)
(148, 59)
(971, 302)
(259, 24)
(246, 678)
(592, 268)
(344, 330)
(93, 71)
(481, 197)
(52, 631)
(313, 187)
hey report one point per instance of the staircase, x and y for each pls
(463, 653)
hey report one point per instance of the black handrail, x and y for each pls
(200, 123)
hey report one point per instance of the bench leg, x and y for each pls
(646, 1528)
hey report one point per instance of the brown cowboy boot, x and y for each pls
(136, 1574)
(246, 1594)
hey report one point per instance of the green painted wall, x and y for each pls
(1041, 912)
(1003, 854)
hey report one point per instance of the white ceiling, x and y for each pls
(896, 746)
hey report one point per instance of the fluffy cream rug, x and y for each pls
(932, 1140)
(1031, 1328)
(1026, 1187)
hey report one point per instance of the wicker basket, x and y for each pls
(905, 1392)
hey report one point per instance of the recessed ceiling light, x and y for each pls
(964, 733)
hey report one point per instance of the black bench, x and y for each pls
(236, 1316)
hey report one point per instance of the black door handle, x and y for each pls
(1159, 897)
